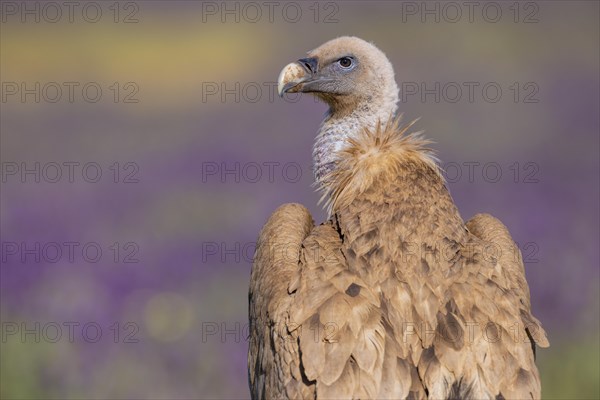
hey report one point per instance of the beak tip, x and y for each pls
(280, 88)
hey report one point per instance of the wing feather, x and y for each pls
(273, 354)
(492, 299)
(509, 262)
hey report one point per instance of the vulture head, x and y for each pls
(356, 80)
(346, 73)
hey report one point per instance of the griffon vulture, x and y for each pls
(395, 296)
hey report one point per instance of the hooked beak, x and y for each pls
(294, 75)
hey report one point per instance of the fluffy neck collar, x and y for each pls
(348, 121)
(382, 153)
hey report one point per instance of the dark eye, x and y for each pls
(345, 62)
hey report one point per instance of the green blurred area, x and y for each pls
(570, 370)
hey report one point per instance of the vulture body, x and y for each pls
(395, 296)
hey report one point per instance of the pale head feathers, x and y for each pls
(371, 81)
(375, 155)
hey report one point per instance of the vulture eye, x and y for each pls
(345, 62)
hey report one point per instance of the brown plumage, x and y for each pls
(394, 296)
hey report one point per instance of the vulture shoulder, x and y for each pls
(501, 248)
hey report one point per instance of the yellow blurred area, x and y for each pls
(168, 316)
(167, 61)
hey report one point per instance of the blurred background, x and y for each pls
(143, 146)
